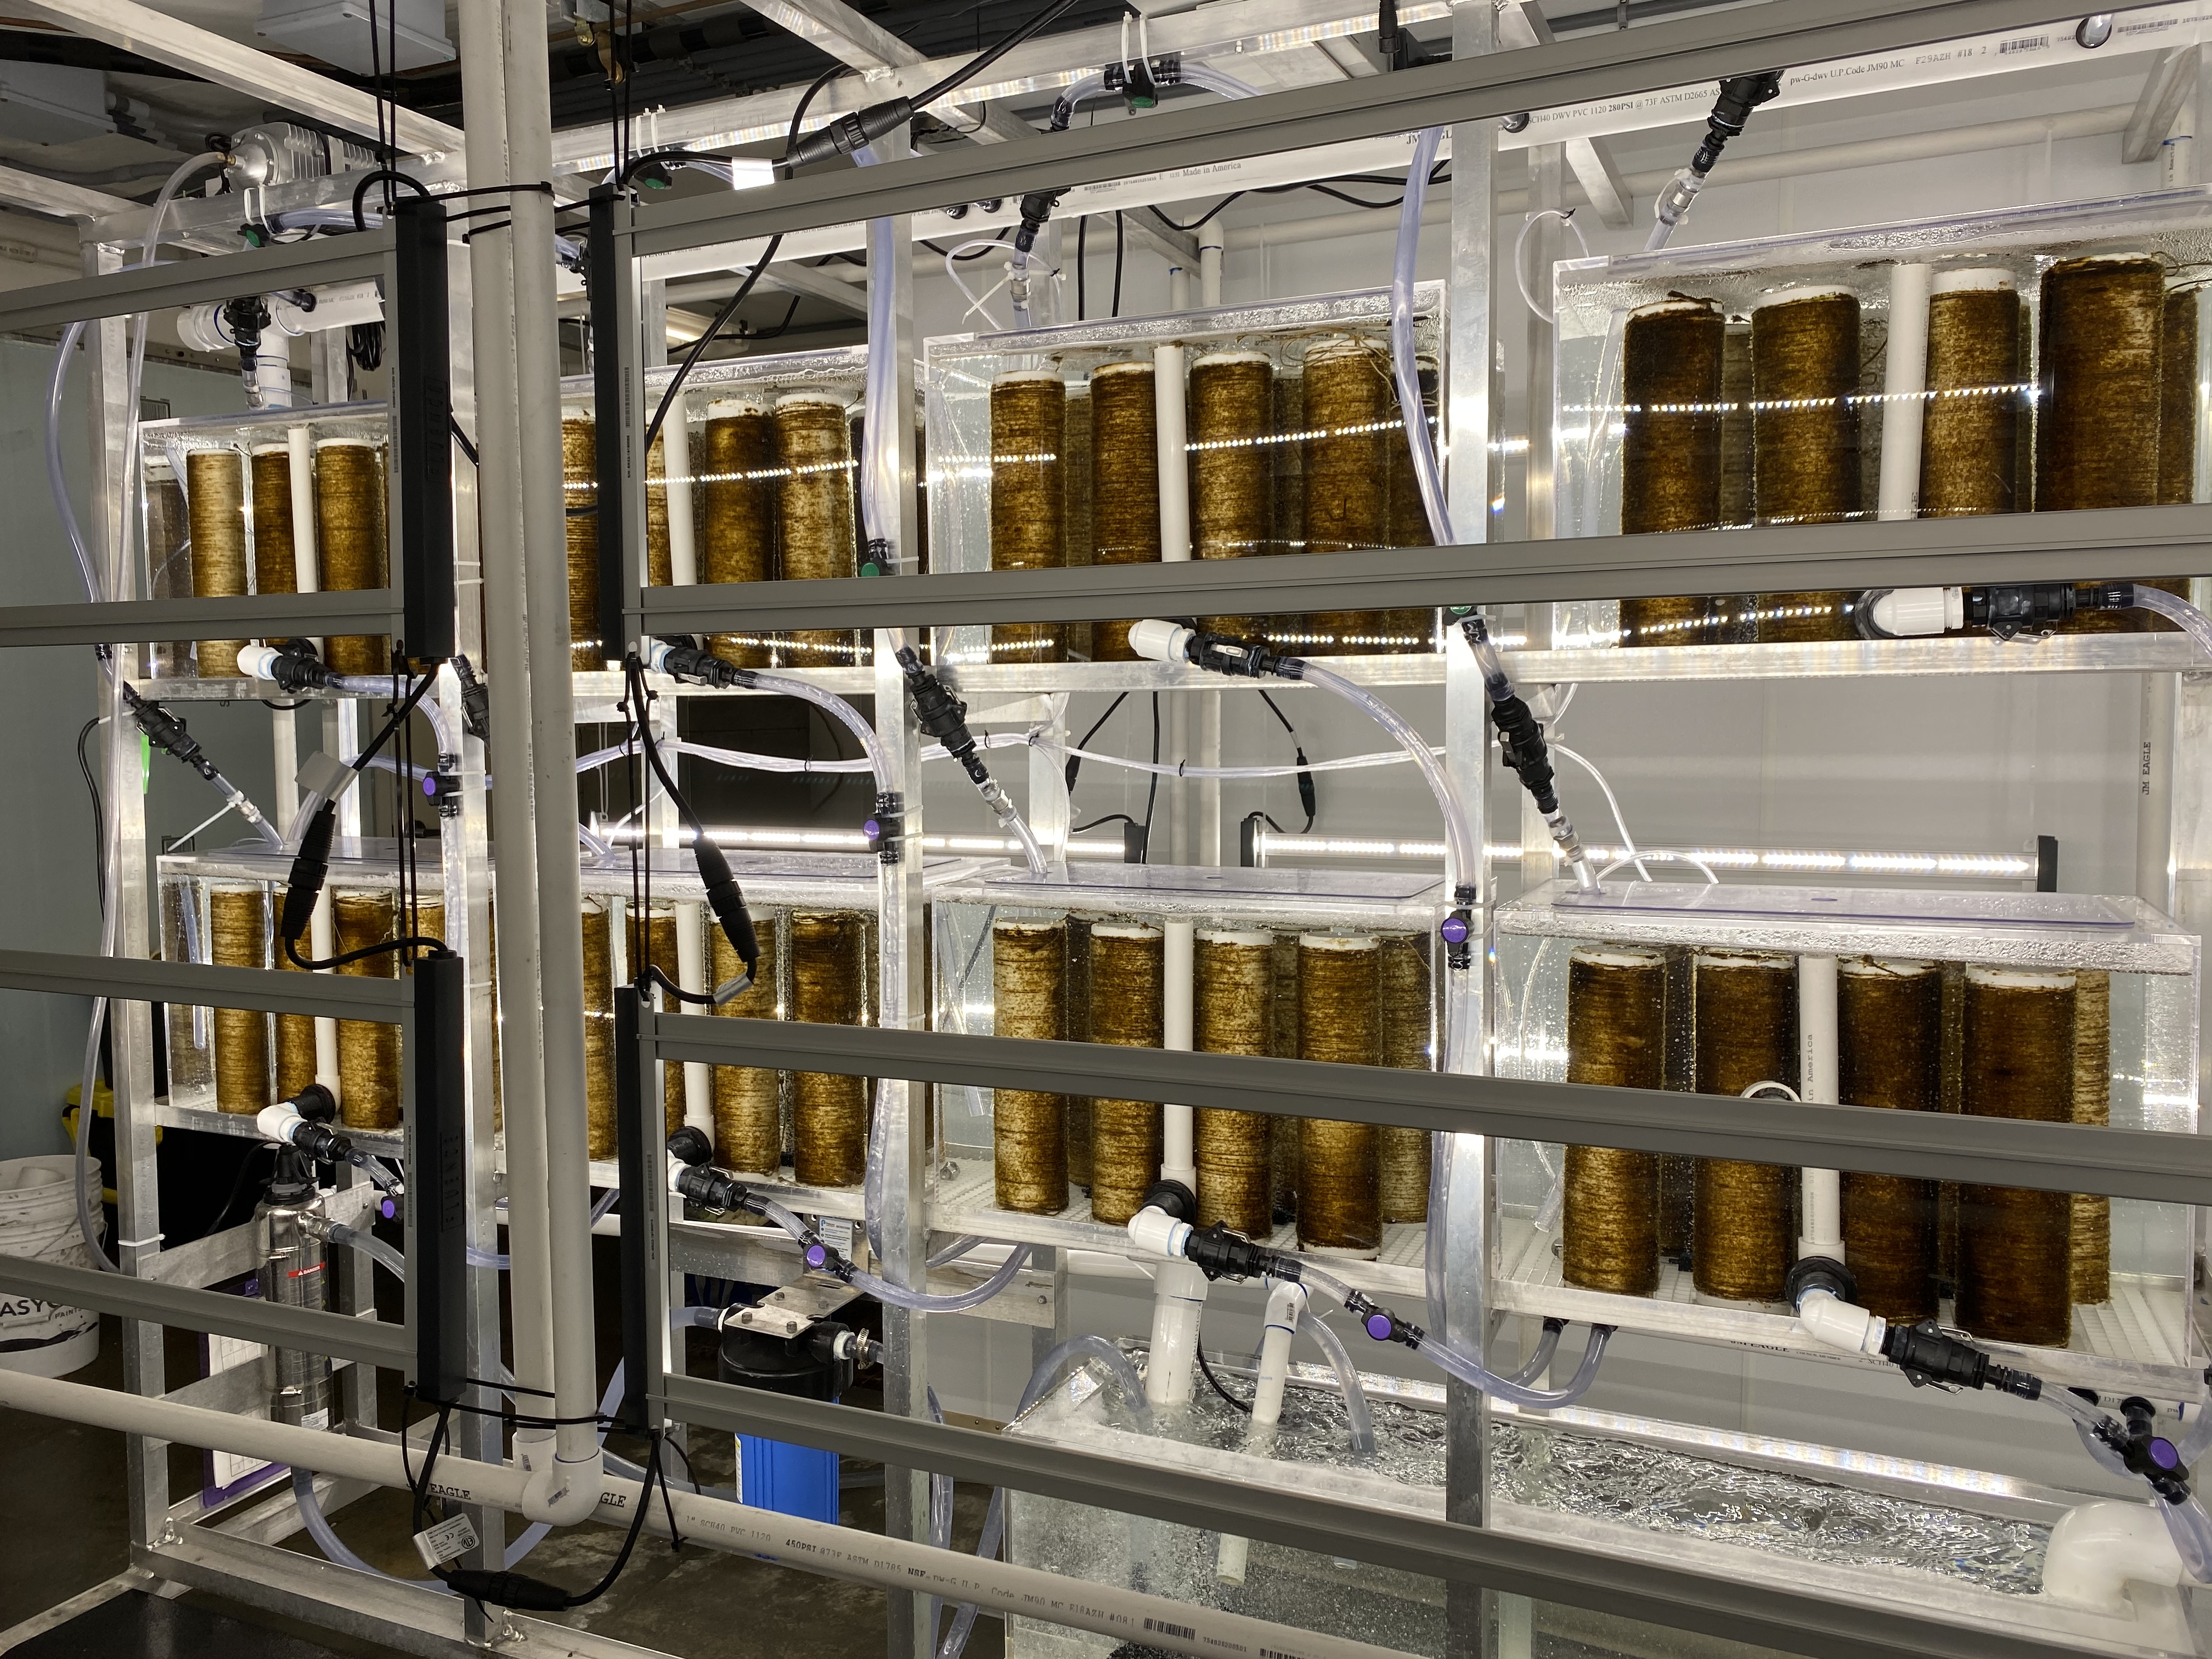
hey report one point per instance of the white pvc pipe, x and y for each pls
(817, 1547)
(322, 945)
(1168, 413)
(676, 462)
(1821, 1222)
(565, 1200)
(1286, 1305)
(1178, 1304)
(1178, 1154)
(1211, 242)
(691, 975)
(1904, 386)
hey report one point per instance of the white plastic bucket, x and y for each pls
(37, 1220)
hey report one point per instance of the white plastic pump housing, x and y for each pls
(1159, 640)
(1910, 612)
(2097, 1548)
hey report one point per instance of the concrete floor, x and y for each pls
(698, 1603)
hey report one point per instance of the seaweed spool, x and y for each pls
(214, 481)
(2014, 1243)
(1889, 1043)
(1029, 1127)
(737, 519)
(1747, 1033)
(2177, 381)
(1126, 959)
(580, 480)
(1407, 1014)
(829, 987)
(2090, 1246)
(1616, 1035)
(1233, 1013)
(1125, 483)
(599, 1111)
(1670, 453)
(351, 543)
(1079, 1030)
(1805, 440)
(368, 1051)
(814, 510)
(1340, 1020)
(1029, 417)
(1288, 532)
(276, 565)
(2098, 384)
(238, 936)
(749, 1099)
(1347, 410)
(1232, 493)
(1977, 397)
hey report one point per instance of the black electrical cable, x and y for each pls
(1111, 818)
(963, 259)
(387, 177)
(991, 55)
(1082, 235)
(1075, 762)
(1306, 797)
(1206, 1371)
(99, 813)
(789, 312)
(1437, 175)
(1118, 250)
(1152, 790)
(730, 309)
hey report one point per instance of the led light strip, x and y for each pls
(1981, 866)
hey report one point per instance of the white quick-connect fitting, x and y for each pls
(1827, 1318)
(561, 1494)
(258, 662)
(1160, 640)
(1909, 612)
(278, 1122)
(1155, 1231)
(2096, 1548)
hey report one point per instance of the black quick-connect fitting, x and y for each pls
(714, 1189)
(679, 657)
(1927, 1353)
(476, 701)
(1521, 741)
(295, 667)
(1379, 1323)
(1740, 96)
(940, 716)
(1220, 1253)
(884, 827)
(2014, 607)
(166, 733)
(246, 317)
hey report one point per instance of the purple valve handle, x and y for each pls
(1378, 1326)
(2162, 1454)
(817, 1254)
(872, 829)
(1454, 930)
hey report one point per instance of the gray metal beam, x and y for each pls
(2172, 78)
(308, 1329)
(2036, 547)
(2170, 1169)
(169, 40)
(188, 282)
(1731, 1608)
(336, 996)
(34, 192)
(254, 615)
(1684, 50)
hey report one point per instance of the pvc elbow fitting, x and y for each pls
(2096, 1548)
(1828, 1318)
(557, 1492)
(1154, 1230)
(1908, 612)
(1159, 640)
(277, 1122)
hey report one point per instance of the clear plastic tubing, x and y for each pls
(898, 1295)
(1089, 1347)
(1358, 1418)
(373, 1247)
(1403, 364)
(2193, 621)
(1466, 851)
(381, 685)
(829, 702)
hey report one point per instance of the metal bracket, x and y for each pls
(795, 1308)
